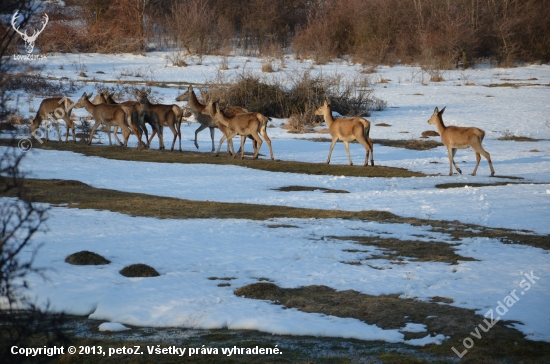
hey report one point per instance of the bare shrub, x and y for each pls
(298, 96)
(267, 66)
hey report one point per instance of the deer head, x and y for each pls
(29, 40)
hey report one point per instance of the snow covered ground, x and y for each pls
(188, 252)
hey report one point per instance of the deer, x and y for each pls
(138, 117)
(29, 40)
(205, 119)
(229, 111)
(109, 115)
(50, 108)
(168, 115)
(347, 130)
(244, 124)
(101, 99)
(151, 118)
(458, 137)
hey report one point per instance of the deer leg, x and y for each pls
(212, 131)
(367, 146)
(115, 132)
(479, 150)
(93, 131)
(346, 144)
(152, 135)
(257, 139)
(371, 146)
(57, 129)
(179, 133)
(268, 141)
(175, 132)
(334, 140)
(200, 128)
(454, 163)
(222, 139)
(126, 135)
(478, 159)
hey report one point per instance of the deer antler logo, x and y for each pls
(29, 40)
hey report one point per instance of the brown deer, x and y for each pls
(48, 108)
(168, 115)
(101, 99)
(244, 124)
(138, 117)
(229, 111)
(347, 130)
(109, 115)
(457, 137)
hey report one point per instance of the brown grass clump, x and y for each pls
(86, 258)
(518, 138)
(391, 312)
(416, 250)
(139, 270)
(306, 188)
(267, 66)
(429, 133)
(383, 124)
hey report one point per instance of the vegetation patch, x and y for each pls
(391, 312)
(412, 144)
(419, 251)
(462, 184)
(518, 138)
(139, 270)
(383, 124)
(131, 154)
(306, 188)
(75, 194)
(86, 258)
(286, 226)
(429, 133)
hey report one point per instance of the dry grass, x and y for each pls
(79, 195)
(306, 188)
(412, 144)
(429, 133)
(518, 138)
(139, 270)
(383, 124)
(462, 184)
(86, 258)
(417, 250)
(131, 154)
(391, 312)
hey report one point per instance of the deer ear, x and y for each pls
(442, 111)
(436, 110)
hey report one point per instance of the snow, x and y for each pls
(112, 326)
(189, 252)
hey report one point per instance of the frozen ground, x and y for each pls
(188, 252)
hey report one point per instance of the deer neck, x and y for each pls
(194, 103)
(221, 118)
(89, 106)
(440, 126)
(328, 116)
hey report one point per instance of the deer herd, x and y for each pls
(131, 116)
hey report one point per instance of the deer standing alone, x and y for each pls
(47, 109)
(347, 130)
(458, 137)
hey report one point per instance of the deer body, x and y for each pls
(347, 130)
(244, 124)
(109, 115)
(198, 110)
(47, 109)
(168, 115)
(229, 112)
(457, 137)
